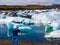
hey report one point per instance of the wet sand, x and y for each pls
(24, 42)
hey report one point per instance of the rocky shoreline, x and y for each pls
(17, 7)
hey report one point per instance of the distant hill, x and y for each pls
(16, 7)
(55, 4)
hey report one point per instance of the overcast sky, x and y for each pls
(27, 2)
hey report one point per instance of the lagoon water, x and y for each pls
(38, 32)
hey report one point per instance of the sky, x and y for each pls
(29, 2)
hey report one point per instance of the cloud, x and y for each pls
(27, 2)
